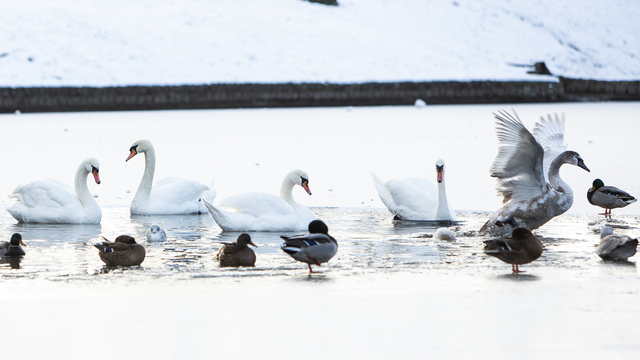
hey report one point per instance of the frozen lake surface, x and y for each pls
(392, 291)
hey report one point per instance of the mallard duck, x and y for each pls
(12, 248)
(521, 248)
(156, 233)
(122, 252)
(527, 168)
(608, 197)
(615, 247)
(238, 253)
(317, 247)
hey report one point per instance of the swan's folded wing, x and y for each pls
(518, 165)
(177, 190)
(47, 193)
(258, 204)
(550, 134)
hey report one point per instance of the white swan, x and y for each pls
(169, 196)
(53, 202)
(528, 171)
(416, 198)
(256, 211)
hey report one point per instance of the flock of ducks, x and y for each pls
(526, 168)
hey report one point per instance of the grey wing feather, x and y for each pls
(550, 134)
(519, 163)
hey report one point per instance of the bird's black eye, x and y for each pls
(304, 180)
(134, 148)
(93, 168)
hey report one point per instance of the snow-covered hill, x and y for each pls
(126, 42)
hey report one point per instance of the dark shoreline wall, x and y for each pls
(218, 96)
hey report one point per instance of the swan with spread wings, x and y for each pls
(527, 168)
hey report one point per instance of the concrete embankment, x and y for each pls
(217, 96)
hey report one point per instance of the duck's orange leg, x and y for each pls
(514, 268)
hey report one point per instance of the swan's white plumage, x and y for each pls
(415, 198)
(256, 211)
(53, 202)
(167, 196)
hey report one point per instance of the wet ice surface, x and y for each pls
(370, 242)
(392, 291)
(390, 285)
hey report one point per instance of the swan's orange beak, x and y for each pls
(133, 153)
(96, 176)
(305, 186)
(439, 172)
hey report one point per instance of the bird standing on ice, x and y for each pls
(317, 247)
(608, 197)
(528, 171)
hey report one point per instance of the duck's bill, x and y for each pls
(132, 154)
(21, 243)
(252, 244)
(305, 186)
(96, 176)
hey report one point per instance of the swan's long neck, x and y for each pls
(144, 189)
(443, 205)
(82, 189)
(286, 192)
(554, 176)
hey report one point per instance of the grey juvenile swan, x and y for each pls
(527, 168)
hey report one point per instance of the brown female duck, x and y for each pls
(122, 252)
(521, 248)
(238, 253)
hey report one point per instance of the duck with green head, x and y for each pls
(608, 197)
(13, 247)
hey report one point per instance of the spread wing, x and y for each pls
(519, 163)
(550, 134)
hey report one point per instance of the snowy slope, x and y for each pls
(125, 42)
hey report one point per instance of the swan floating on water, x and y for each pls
(168, 196)
(416, 198)
(528, 171)
(53, 202)
(256, 211)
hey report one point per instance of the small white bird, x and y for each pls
(156, 234)
(444, 234)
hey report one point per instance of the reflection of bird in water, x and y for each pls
(317, 247)
(238, 253)
(521, 248)
(608, 197)
(528, 171)
(122, 252)
(12, 247)
(615, 247)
